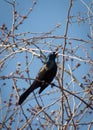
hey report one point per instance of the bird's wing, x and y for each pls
(42, 72)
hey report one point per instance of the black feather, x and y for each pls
(44, 77)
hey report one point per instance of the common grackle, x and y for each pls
(44, 77)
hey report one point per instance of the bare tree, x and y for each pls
(69, 104)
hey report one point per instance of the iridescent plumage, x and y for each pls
(44, 77)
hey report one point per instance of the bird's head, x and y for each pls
(52, 56)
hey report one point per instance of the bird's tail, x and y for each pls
(25, 94)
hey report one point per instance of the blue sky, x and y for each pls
(44, 17)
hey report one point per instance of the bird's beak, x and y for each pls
(56, 53)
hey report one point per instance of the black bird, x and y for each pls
(44, 77)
